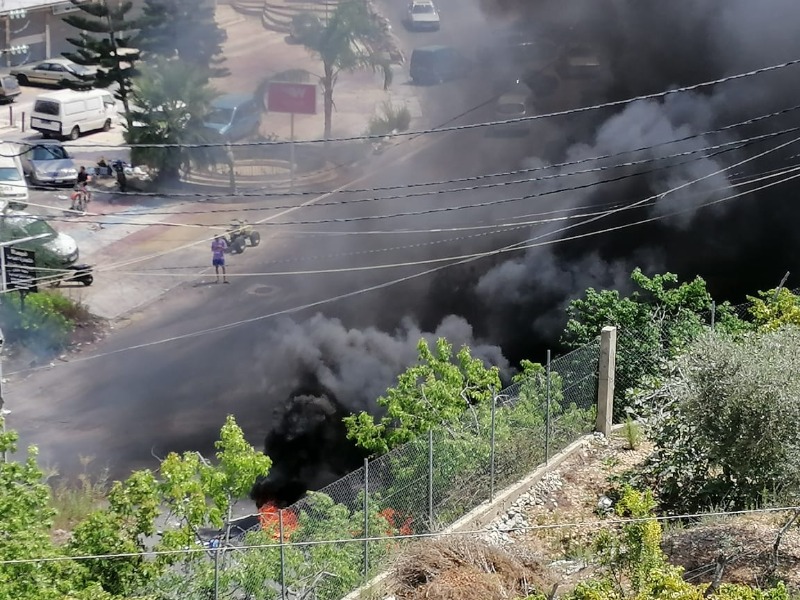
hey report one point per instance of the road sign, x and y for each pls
(295, 98)
(19, 269)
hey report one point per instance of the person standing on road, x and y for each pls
(218, 247)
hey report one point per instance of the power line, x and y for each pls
(265, 193)
(443, 209)
(598, 214)
(602, 523)
(733, 145)
(531, 118)
(526, 244)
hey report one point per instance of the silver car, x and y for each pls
(55, 71)
(422, 16)
(48, 163)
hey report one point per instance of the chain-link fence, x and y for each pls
(337, 538)
(333, 540)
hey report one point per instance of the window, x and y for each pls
(46, 107)
(57, 68)
(29, 226)
(422, 9)
(9, 174)
(44, 67)
(220, 116)
(49, 152)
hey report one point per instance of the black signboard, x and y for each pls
(20, 269)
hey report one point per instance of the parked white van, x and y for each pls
(69, 113)
(13, 187)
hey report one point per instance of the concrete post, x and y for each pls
(605, 387)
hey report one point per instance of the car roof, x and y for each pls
(231, 100)
(422, 2)
(60, 61)
(432, 49)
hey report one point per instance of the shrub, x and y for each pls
(391, 118)
(42, 321)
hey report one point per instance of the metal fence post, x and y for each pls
(283, 554)
(216, 572)
(366, 518)
(430, 480)
(491, 450)
(713, 313)
(547, 418)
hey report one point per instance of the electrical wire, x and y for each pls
(415, 133)
(530, 243)
(601, 523)
(443, 209)
(257, 192)
(463, 256)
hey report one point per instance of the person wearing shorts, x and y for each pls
(218, 247)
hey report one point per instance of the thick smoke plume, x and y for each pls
(517, 302)
(325, 372)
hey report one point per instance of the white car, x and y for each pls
(422, 16)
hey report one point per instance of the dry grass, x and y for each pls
(468, 569)
(745, 541)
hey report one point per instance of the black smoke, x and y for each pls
(516, 302)
(324, 371)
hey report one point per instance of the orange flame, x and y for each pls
(269, 515)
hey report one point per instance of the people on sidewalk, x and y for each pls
(218, 248)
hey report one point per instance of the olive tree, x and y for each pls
(725, 422)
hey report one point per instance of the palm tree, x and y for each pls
(345, 44)
(172, 99)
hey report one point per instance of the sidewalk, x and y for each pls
(131, 239)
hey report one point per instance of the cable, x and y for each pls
(512, 247)
(736, 143)
(561, 113)
(266, 194)
(458, 257)
(605, 523)
(444, 209)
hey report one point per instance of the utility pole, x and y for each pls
(3, 411)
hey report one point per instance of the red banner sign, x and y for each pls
(297, 98)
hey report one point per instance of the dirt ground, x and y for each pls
(744, 543)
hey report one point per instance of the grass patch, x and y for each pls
(632, 433)
(74, 500)
(390, 118)
(44, 321)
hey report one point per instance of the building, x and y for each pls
(35, 30)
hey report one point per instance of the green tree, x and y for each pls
(656, 322)
(172, 99)
(773, 309)
(105, 41)
(725, 423)
(346, 44)
(435, 391)
(185, 30)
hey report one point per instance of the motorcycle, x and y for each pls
(239, 233)
(82, 273)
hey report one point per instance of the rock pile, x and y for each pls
(501, 530)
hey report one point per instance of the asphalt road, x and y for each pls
(124, 406)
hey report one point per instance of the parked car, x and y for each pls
(53, 250)
(304, 27)
(9, 89)
(234, 116)
(56, 71)
(13, 189)
(48, 163)
(516, 103)
(436, 64)
(422, 15)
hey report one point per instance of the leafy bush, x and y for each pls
(725, 423)
(44, 320)
(634, 565)
(656, 322)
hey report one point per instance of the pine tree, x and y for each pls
(106, 42)
(183, 29)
